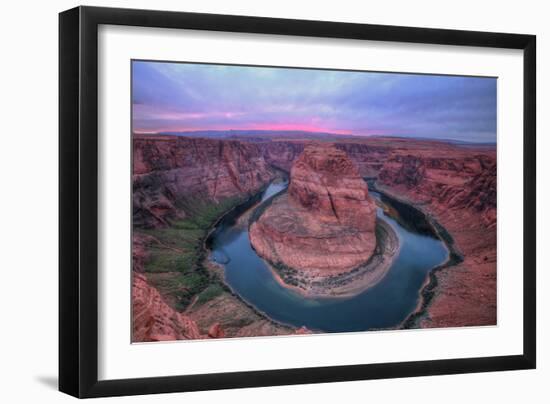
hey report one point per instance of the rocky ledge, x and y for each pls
(154, 320)
(320, 236)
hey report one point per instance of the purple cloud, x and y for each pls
(183, 96)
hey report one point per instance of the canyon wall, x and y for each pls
(447, 180)
(457, 186)
(176, 179)
(170, 173)
(281, 154)
(368, 158)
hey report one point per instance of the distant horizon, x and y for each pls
(282, 132)
(186, 98)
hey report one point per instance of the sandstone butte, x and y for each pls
(325, 224)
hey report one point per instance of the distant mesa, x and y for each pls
(324, 225)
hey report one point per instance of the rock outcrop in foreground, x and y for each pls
(154, 320)
(324, 225)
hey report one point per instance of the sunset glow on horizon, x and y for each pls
(185, 97)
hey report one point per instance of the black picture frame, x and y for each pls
(78, 200)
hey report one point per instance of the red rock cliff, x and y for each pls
(168, 171)
(325, 223)
(281, 154)
(453, 179)
(458, 187)
(153, 319)
(326, 182)
(368, 158)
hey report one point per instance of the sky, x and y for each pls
(169, 97)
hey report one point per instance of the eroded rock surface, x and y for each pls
(457, 186)
(153, 319)
(325, 224)
(173, 172)
(174, 179)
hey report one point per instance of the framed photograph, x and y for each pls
(251, 201)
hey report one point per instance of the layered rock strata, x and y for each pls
(457, 186)
(170, 173)
(154, 320)
(454, 184)
(324, 226)
(173, 178)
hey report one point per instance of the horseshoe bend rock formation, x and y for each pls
(326, 182)
(325, 224)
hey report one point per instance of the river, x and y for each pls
(385, 305)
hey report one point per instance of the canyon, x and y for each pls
(183, 185)
(171, 174)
